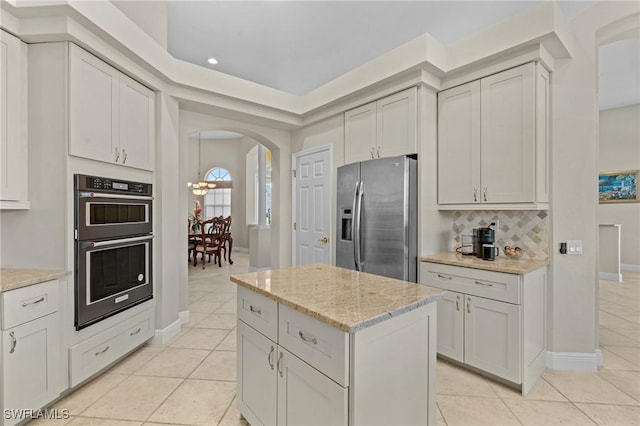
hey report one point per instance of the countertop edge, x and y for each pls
(332, 322)
(28, 277)
(514, 268)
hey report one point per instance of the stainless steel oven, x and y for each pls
(114, 247)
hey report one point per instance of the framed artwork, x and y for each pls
(618, 187)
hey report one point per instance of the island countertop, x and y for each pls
(12, 279)
(342, 298)
(500, 264)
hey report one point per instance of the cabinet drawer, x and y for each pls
(28, 303)
(476, 282)
(324, 347)
(97, 352)
(259, 312)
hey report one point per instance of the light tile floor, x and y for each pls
(191, 381)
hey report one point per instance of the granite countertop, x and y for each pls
(501, 264)
(12, 279)
(342, 298)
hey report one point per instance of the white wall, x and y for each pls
(573, 290)
(149, 15)
(279, 143)
(619, 149)
(229, 154)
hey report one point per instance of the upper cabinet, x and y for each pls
(13, 144)
(384, 128)
(493, 142)
(111, 116)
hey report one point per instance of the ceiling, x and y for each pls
(297, 46)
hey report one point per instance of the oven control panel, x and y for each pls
(102, 184)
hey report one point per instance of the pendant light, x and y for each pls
(201, 187)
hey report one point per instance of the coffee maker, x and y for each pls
(483, 236)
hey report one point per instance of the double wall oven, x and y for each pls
(113, 247)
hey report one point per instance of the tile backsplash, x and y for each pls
(527, 229)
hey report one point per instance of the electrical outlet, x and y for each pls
(574, 247)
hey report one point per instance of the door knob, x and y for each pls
(324, 240)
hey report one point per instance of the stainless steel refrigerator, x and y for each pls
(377, 228)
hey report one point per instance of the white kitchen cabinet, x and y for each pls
(492, 321)
(275, 386)
(31, 364)
(111, 116)
(257, 380)
(492, 141)
(298, 385)
(308, 372)
(13, 146)
(384, 128)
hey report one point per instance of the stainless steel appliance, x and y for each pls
(377, 206)
(113, 246)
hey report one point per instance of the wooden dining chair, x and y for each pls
(227, 242)
(211, 242)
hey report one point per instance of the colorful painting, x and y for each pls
(618, 187)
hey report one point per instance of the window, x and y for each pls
(217, 202)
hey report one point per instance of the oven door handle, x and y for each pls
(120, 241)
(118, 196)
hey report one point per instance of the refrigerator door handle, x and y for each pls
(353, 226)
(358, 234)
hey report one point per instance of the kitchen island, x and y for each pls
(319, 344)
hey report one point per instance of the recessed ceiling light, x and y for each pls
(212, 61)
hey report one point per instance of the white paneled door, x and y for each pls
(312, 215)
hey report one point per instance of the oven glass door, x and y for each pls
(107, 216)
(112, 275)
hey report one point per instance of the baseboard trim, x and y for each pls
(184, 317)
(610, 276)
(241, 249)
(162, 337)
(630, 267)
(254, 269)
(574, 361)
(600, 358)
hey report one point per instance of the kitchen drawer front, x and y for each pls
(324, 347)
(259, 312)
(476, 282)
(28, 303)
(92, 355)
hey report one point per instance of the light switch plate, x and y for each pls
(574, 247)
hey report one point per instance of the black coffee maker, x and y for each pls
(483, 236)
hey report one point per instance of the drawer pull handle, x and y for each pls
(124, 156)
(269, 357)
(14, 342)
(255, 310)
(484, 284)
(444, 277)
(25, 304)
(133, 333)
(280, 365)
(307, 339)
(468, 306)
(458, 303)
(102, 351)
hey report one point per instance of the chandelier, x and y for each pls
(201, 187)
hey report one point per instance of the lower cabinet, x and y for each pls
(482, 333)
(277, 387)
(492, 321)
(31, 369)
(308, 372)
